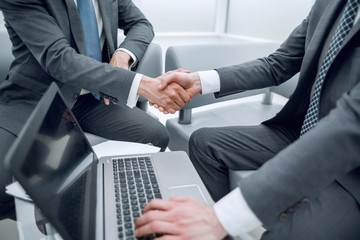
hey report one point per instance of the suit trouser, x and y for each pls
(119, 123)
(7, 206)
(333, 214)
(214, 151)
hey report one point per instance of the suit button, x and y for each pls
(304, 201)
(75, 96)
(290, 211)
(283, 216)
(297, 206)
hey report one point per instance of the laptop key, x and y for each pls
(136, 185)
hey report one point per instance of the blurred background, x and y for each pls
(208, 21)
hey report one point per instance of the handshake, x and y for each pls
(170, 91)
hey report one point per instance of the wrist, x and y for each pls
(218, 227)
(144, 85)
(124, 57)
(195, 77)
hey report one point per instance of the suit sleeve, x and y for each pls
(326, 153)
(268, 71)
(138, 30)
(40, 35)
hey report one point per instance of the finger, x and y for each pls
(184, 96)
(163, 82)
(179, 95)
(170, 110)
(155, 227)
(182, 70)
(163, 110)
(168, 78)
(167, 237)
(157, 204)
(106, 101)
(181, 199)
(151, 216)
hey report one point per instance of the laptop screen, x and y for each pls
(55, 168)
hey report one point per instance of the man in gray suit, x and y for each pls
(50, 44)
(307, 183)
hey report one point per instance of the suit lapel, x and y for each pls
(75, 26)
(105, 11)
(318, 39)
(350, 35)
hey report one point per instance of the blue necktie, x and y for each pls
(345, 25)
(90, 28)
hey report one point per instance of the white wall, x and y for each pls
(269, 19)
(179, 15)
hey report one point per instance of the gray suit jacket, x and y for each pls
(330, 151)
(48, 45)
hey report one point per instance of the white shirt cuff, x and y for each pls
(235, 214)
(131, 55)
(133, 96)
(210, 81)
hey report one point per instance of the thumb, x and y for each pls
(163, 83)
(182, 70)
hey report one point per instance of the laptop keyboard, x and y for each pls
(135, 186)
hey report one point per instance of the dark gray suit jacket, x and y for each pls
(48, 45)
(330, 151)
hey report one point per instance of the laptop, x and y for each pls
(84, 197)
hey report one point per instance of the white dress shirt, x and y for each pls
(232, 210)
(133, 96)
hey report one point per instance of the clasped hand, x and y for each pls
(170, 91)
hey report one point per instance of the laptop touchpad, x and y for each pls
(187, 190)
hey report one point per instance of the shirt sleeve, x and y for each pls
(235, 214)
(210, 81)
(131, 55)
(133, 96)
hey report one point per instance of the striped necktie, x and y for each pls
(344, 27)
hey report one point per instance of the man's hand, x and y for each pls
(119, 59)
(172, 98)
(189, 81)
(179, 218)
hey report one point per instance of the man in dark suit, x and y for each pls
(51, 44)
(307, 183)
